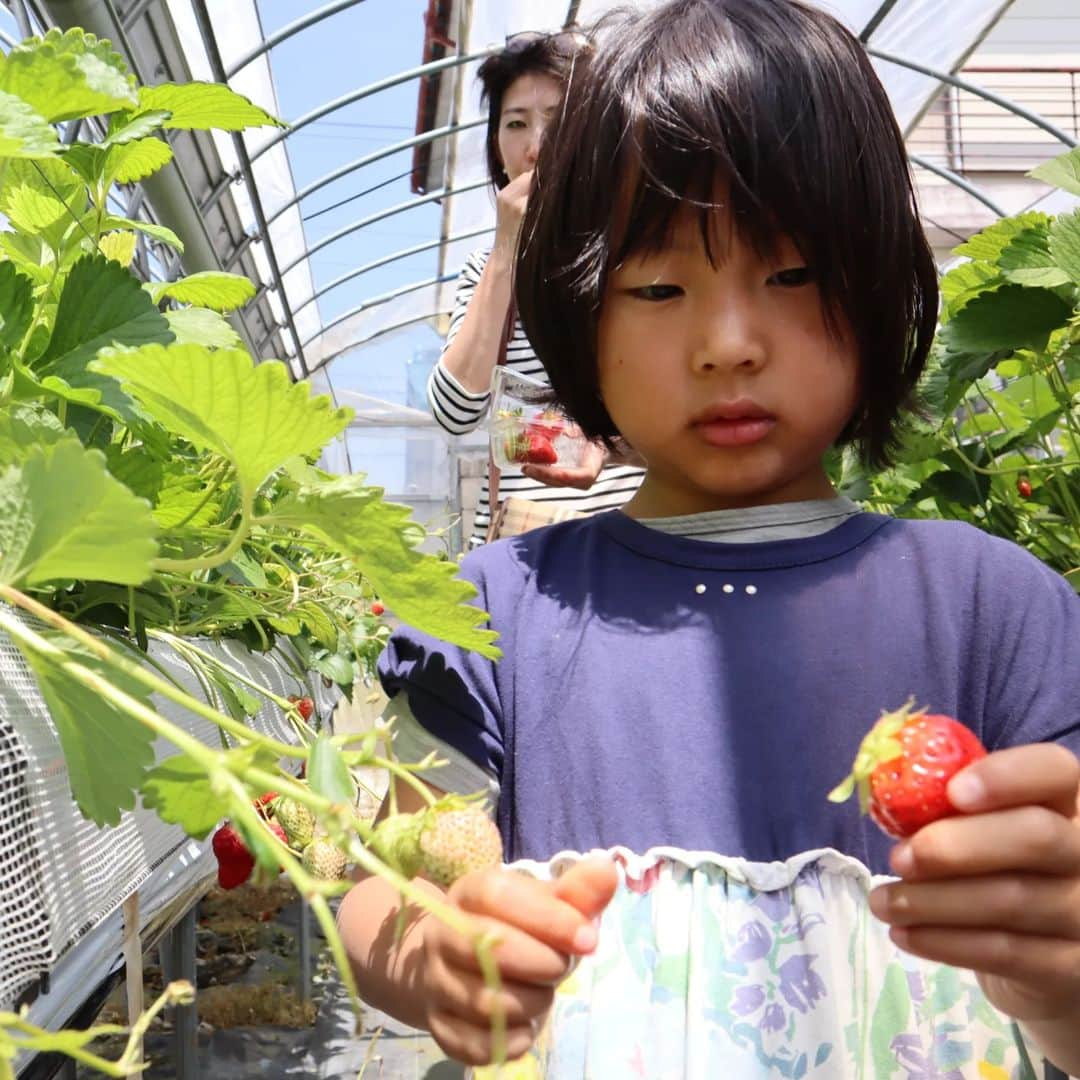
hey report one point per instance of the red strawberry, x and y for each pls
(550, 425)
(539, 451)
(377, 608)
(235, 861)
(1023, 486)
(262, 803)
(304, 706)
(904, 766)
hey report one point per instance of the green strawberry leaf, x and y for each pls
(1065, 244)
(1011, 317)
(327, 773)
(23, 132)
(420, 589)
(64, 517)
(86, 159)
(199, 326)
(207, 289)
(318, 624)
(68, 75)
(200, 106)
(181, 793)
(125, 127)
(106, 750)
(222, 401)
(118, 246)
(334, 667)
(128, 162)
(101, 305)
(1026, 259)
(965, 282)
(36, 212)
(16, 306)
(161, 233)
(1061, 172)
(24, 427)
(987, 246)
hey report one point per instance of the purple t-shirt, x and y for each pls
(658, 690)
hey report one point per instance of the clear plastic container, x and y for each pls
(526, 429)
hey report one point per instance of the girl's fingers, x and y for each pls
(471, 1043)
(465, 994)
(1026, 904)
(521, 957)
(1049, 964)
(1041, 774)
(1027, 838)
(589, 885)
(529, 905)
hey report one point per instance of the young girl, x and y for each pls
(722, 264)
(522, 85)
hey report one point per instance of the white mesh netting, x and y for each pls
(61, 875)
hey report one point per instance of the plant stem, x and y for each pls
(208, 562)
(109, 655)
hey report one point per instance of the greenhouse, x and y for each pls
(476, 475)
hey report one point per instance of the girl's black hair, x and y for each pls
(774, 102)
(524, 54)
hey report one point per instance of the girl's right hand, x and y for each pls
(542, 928)
(510, 205)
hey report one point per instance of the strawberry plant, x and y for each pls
(157, 483)
(1000, 445)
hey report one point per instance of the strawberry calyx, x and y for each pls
(880, 744)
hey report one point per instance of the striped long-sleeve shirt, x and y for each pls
(459, 410)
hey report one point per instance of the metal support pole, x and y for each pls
(206, 29)
(303, 974)
(178, 962)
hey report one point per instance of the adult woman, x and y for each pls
(522, 87)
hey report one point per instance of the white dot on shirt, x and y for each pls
(729, 588)
(699, 589)
(751, 589)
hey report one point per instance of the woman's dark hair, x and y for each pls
(773, 102)
(525, 54)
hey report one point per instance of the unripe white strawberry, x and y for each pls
(321, 859)
(454, 841)
(297, 821)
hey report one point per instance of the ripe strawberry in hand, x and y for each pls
(904, 766)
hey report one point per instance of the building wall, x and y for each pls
(1032, 57)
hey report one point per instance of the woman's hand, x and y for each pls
(997, 889)
(581, 476)
(541, 927)
(510, 205)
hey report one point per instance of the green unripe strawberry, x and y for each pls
(396, 841)
(297, 821)
(321, 859)
(443, 842)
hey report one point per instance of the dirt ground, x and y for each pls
(252, 1022)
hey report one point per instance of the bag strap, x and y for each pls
(495, 511)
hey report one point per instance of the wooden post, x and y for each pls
(133, 963)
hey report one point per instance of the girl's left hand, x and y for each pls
(997, 889)
(581, 476)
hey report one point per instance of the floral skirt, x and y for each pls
(713, 968)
